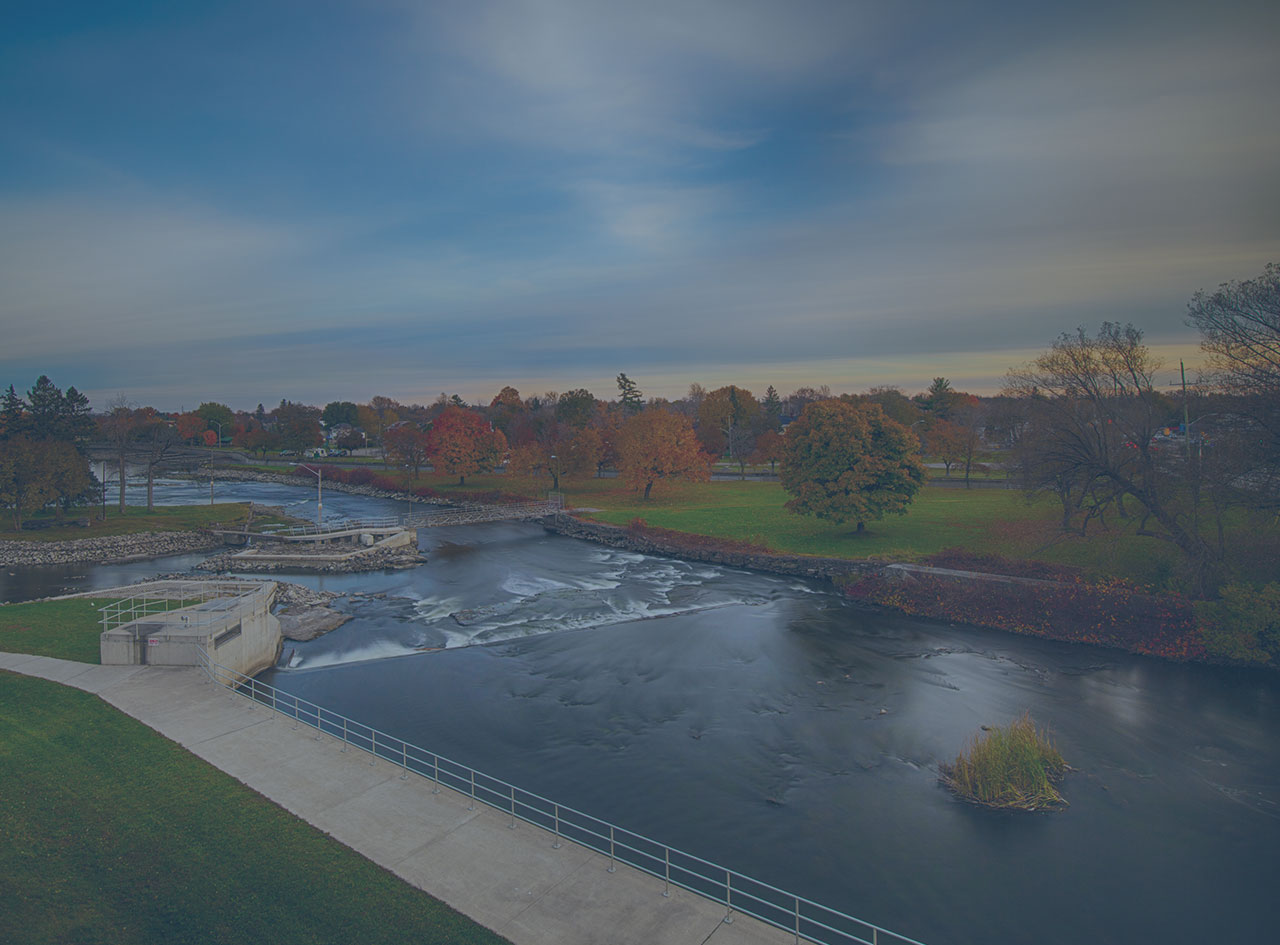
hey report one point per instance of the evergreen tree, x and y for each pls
(629, 394)
(14, 419)
(772, 405)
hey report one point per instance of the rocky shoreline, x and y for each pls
(106, 550)
(385, 560)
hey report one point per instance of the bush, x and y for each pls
(1244, 626)
(1015, 768)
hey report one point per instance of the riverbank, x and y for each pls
(111, 549)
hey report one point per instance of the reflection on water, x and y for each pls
(767, 724)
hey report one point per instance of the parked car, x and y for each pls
(316, 452)
(288, 452)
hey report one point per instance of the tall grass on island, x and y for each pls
(1014, 768)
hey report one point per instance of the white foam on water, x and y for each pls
(522, 585)
(430, 609)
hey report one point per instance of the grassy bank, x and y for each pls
(176, 518)
(115, 834)
(65, 629)
(999, 522)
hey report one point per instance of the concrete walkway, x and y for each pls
(510, 880)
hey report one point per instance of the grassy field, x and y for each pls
(984, 521)
(66, 629)
(176, 518)
(115, 834)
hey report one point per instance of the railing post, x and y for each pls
(728, 897)
(512, 825)
(612, 860)
(472, 804)
(373, 746)
(556, 845)
(666, 889)
(435, 788)
(344, 733)
(797, 920)
(404, 758)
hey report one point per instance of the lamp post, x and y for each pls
(219, 426)
(318, 472)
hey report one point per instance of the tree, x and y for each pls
(118, 426)
(656, 445)
(71, 481)
(629, 395)
(1240, 331)
(727, 422)
(190, 426)
(408, 445)
(15, 420)
(155, 438)
(1092, 412)
(945, 442)
(216, 416)
(580, 454)
(298, 426)
(260, 441)
(768, 448)
(339, 411)
(26, 477)
(576, 407)
(846, 461)
(55, 415)
(461, 443)
(772, 407)
(506, 408)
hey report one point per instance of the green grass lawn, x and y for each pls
(113, 833)
(66, 629)
(164, 518)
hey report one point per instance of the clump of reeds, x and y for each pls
(1014, 767)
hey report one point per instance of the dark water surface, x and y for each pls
(766, 724)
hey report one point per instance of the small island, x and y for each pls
(1012, 768)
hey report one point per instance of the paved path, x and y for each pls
(510, 880)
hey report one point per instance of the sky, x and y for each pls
(330, 200)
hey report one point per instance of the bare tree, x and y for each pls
(1093, 412)
(118, 427)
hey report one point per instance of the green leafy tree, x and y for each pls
(26, 477)
(339, 411)
(629, 395)
(576, 407)
(298, 425)
(848, 462)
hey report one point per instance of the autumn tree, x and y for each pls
(656, 445)
(260, 440)
(461, 443)
(728, 421)
(26, 477)
(298, 425)
(768, 448)
(945, 442)
(848, 462)
(154, 438)
(580, 453)
(408, 445)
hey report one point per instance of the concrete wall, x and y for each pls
(239, 633)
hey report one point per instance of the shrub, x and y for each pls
(359, 476)
(1244, 626)
(1016, 768)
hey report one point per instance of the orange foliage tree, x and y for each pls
(461, 444)
(654, 445)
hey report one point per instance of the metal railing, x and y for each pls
(807, 920)
(181, 595)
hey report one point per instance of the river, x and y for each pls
(765, 723)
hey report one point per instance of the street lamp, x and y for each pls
(318, 472)
(219, 426)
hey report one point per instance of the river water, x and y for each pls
(764, 723)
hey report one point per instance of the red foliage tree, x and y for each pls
(461, 443)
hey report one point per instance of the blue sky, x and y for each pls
(332, 200)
